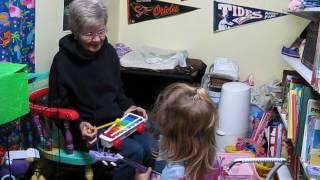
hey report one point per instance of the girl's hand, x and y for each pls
(138, 110)
(88, 132)
(143, 176)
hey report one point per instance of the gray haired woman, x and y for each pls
(85, 76)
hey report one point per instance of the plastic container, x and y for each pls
(234, 108)
(243, 171)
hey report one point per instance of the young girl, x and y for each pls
(186, 117)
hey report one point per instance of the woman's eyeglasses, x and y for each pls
(91, 35)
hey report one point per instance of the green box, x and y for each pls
(14, 96)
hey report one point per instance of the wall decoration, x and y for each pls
(144, 10)
(227, 16)
(17, 24)
(66, 14)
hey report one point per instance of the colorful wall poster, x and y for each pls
(17, 28)
(227, 16)
(144, 10)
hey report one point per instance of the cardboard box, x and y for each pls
(14, 96)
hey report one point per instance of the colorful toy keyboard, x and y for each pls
(112, 137)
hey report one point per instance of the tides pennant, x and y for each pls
(227, 16)
(144, 10)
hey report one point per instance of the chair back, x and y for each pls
(48, 143)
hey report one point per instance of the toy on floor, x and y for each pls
(122, 128)
(236, 166)
(280, 162)
(16, 163)
(255, 142)
(115, 157)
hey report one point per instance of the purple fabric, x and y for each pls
(122, 49)
(290, 52)
(18, 168)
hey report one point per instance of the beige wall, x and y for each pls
(48, 31)
(255, 47)
(113, 21)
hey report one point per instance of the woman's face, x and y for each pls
(92, 37)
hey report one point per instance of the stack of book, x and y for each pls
(302, 105)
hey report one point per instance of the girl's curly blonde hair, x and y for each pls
(186, 117)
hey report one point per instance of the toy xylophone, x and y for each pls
(128, 124)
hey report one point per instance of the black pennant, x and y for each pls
(144, 10)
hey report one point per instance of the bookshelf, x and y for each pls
(306, 73)
(303, 164)
(296, 64)
(312, 14)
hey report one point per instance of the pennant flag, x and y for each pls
(227, 16)
(144, 10)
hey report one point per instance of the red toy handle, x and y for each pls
(140, 129)
(117, 143)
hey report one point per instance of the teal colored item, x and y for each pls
(59, 154)
(307, 94)
(76, 158)
(38, 81)
(14, 100)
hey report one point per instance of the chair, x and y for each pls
(49, 145)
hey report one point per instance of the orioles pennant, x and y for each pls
(144, 10)
(227, 16)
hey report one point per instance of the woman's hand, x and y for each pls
(143, 176)
(88, 132)
(137, 110)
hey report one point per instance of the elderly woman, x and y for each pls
(85, 75)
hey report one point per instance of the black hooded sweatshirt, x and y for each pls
(90, 84)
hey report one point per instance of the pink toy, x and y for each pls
(236, 166)
(239, 171)
(256, 141)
